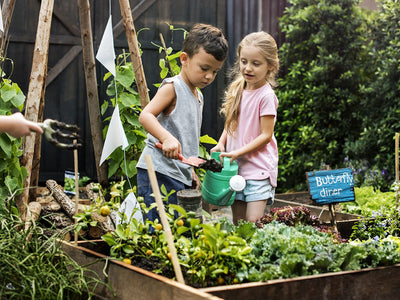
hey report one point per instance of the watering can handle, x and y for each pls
(227, 162)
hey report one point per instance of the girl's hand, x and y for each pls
(232, 155)
(218, 148)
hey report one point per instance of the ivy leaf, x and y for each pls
(7, 92)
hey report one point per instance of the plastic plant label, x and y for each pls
(69, 182)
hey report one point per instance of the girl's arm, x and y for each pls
(267, 131)
(163, 101)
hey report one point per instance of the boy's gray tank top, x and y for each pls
(184, 123)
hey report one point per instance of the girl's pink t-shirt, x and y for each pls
(263, 163)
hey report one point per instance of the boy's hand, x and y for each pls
(171, 147)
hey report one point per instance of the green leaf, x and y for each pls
(5, 145)
(125, 76)
(206, 139)
(8, 92)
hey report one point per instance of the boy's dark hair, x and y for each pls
(209, 37)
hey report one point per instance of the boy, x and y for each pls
(173, 117)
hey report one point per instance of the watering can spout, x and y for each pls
(236, 184)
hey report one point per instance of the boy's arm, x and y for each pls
(164, 100)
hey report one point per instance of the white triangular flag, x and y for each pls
(115, 136)
(131, 208)
(1, 21)
(106, 53)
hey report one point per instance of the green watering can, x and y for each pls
(219, 188)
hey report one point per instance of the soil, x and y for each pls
(211, 165)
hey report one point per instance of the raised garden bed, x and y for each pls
(130, 282)
(127, 281)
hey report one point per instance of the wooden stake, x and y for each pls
(35, 90)
(130, 31)
(332, 208)
(396, 146)
(76, 187)
(91, 89)
(164, 220)
(6, 11)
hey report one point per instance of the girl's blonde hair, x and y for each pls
(269, 50)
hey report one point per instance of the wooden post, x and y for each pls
(35, 92)
(397, 167)
(76, 187)
(332, 208)
(91, 89)
(164, 220)
(6, 12)
(130, 31)
(37, 151)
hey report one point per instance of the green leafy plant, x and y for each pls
(122, 88)
(169, 65)
(13, 174)
(368, 201)
(85, 219)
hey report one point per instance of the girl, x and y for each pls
(250, 108)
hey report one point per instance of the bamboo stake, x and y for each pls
(91, 89)
(396, 146)
(130, 31)
(76, 187)
(164, 220)
(166, 53)
(35, 91)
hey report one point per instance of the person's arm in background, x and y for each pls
(17, 126)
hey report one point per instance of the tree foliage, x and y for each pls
(325, 63)
(380, 104)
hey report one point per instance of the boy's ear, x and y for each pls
(183, 57)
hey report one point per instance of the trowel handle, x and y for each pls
(159, 146)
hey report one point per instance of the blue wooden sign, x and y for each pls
(331, 186)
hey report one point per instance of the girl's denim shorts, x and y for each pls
(257, 190)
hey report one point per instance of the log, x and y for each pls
(51, 207)
(95, 232)
(89, 192)
(65, 235)
(58, 219)
(32, 214)
(66, 203)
